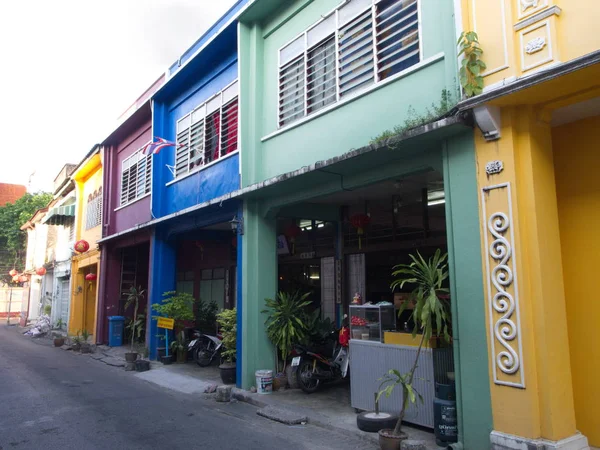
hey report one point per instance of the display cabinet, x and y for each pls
(368, 322)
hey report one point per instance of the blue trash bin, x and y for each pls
(115, 331)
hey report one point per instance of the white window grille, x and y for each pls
(362, 42)
(93, 214)
(136, 177)
(209, 132)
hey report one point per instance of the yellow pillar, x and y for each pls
(532, 396)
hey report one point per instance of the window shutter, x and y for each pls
(229, 127)
(397, 36)
(196, 145)
(124, 186)
(182, 155)
(212, 137)
(356, 59)
(321, 87)
(291, 91)
(148, 186)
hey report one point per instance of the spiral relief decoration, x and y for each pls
(503, 303)
(503, 306)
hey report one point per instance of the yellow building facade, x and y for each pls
(537, 158)
(85, 268)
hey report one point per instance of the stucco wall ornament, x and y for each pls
(525, 4)
(535, 45)
(503, 305)
(494, 167)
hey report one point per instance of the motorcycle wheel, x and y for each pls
(306, 383)
(203, 354)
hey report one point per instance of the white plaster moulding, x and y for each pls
(426, 62)
(554, 10)
(505, 441)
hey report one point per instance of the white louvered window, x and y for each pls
(136, 177)
(209, 132)
(93, 212)
(361, 43)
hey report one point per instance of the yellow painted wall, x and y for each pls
(544, 408)
(567, 36)
(577, 162)
(84, 294)
(91, 184)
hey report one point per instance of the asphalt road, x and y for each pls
(52, 399)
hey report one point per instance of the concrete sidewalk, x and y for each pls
(327, 408)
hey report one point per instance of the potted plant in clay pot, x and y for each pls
(178, 306)
(429, 310)
(134, 296)
(285, 327)
(227, 320)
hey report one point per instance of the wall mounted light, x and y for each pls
(237, 225)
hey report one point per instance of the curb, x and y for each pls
(253, 399)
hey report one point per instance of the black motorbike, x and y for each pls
(313, 368)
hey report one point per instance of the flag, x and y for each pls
(157, 146)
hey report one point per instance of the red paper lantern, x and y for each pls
(91, 276)
(23, 278)
(82, 246)
(360, 222)
(15, 278)
(41, 271)
(13, 272)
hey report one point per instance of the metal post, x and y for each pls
(9, 307)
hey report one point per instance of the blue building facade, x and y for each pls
(193, 248)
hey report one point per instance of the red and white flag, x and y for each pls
(156, 146)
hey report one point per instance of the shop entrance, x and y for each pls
(344, 255)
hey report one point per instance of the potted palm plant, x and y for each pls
(133, 299)
(430, 315)
(178, 306)
(227, 320)
(285, 326)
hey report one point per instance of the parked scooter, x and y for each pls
(314, 369)
(205, 348)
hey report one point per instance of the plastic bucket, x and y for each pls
(264, 381)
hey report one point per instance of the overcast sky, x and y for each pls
(69, 68)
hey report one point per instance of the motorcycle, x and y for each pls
(313, 369)
(204, 347)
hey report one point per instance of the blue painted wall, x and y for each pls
(206, 74)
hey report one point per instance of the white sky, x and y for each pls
(69, 68)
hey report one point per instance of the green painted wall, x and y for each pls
(468, 303)
(259, 282)
(348, 126)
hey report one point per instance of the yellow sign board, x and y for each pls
(165, 322)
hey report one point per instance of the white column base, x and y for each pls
(503, 441)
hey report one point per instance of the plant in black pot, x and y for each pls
(430, 315)
(134, 296)
(86, 347)
(227, 320)
(178, 306)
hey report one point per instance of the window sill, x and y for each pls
(132, 202)
(201, 168)
(426, 62)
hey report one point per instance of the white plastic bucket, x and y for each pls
(264, 381)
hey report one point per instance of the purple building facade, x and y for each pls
(128, 179)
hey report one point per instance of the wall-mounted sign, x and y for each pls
(307, 255)
(282, 245)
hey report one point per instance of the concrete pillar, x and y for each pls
(531, 386)
(259, 256)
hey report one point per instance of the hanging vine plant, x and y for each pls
(472, 65)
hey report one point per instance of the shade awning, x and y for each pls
(58, 215)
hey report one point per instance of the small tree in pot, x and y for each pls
(180, 307)
(429, 310)
(134, 297)
(227, 320)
